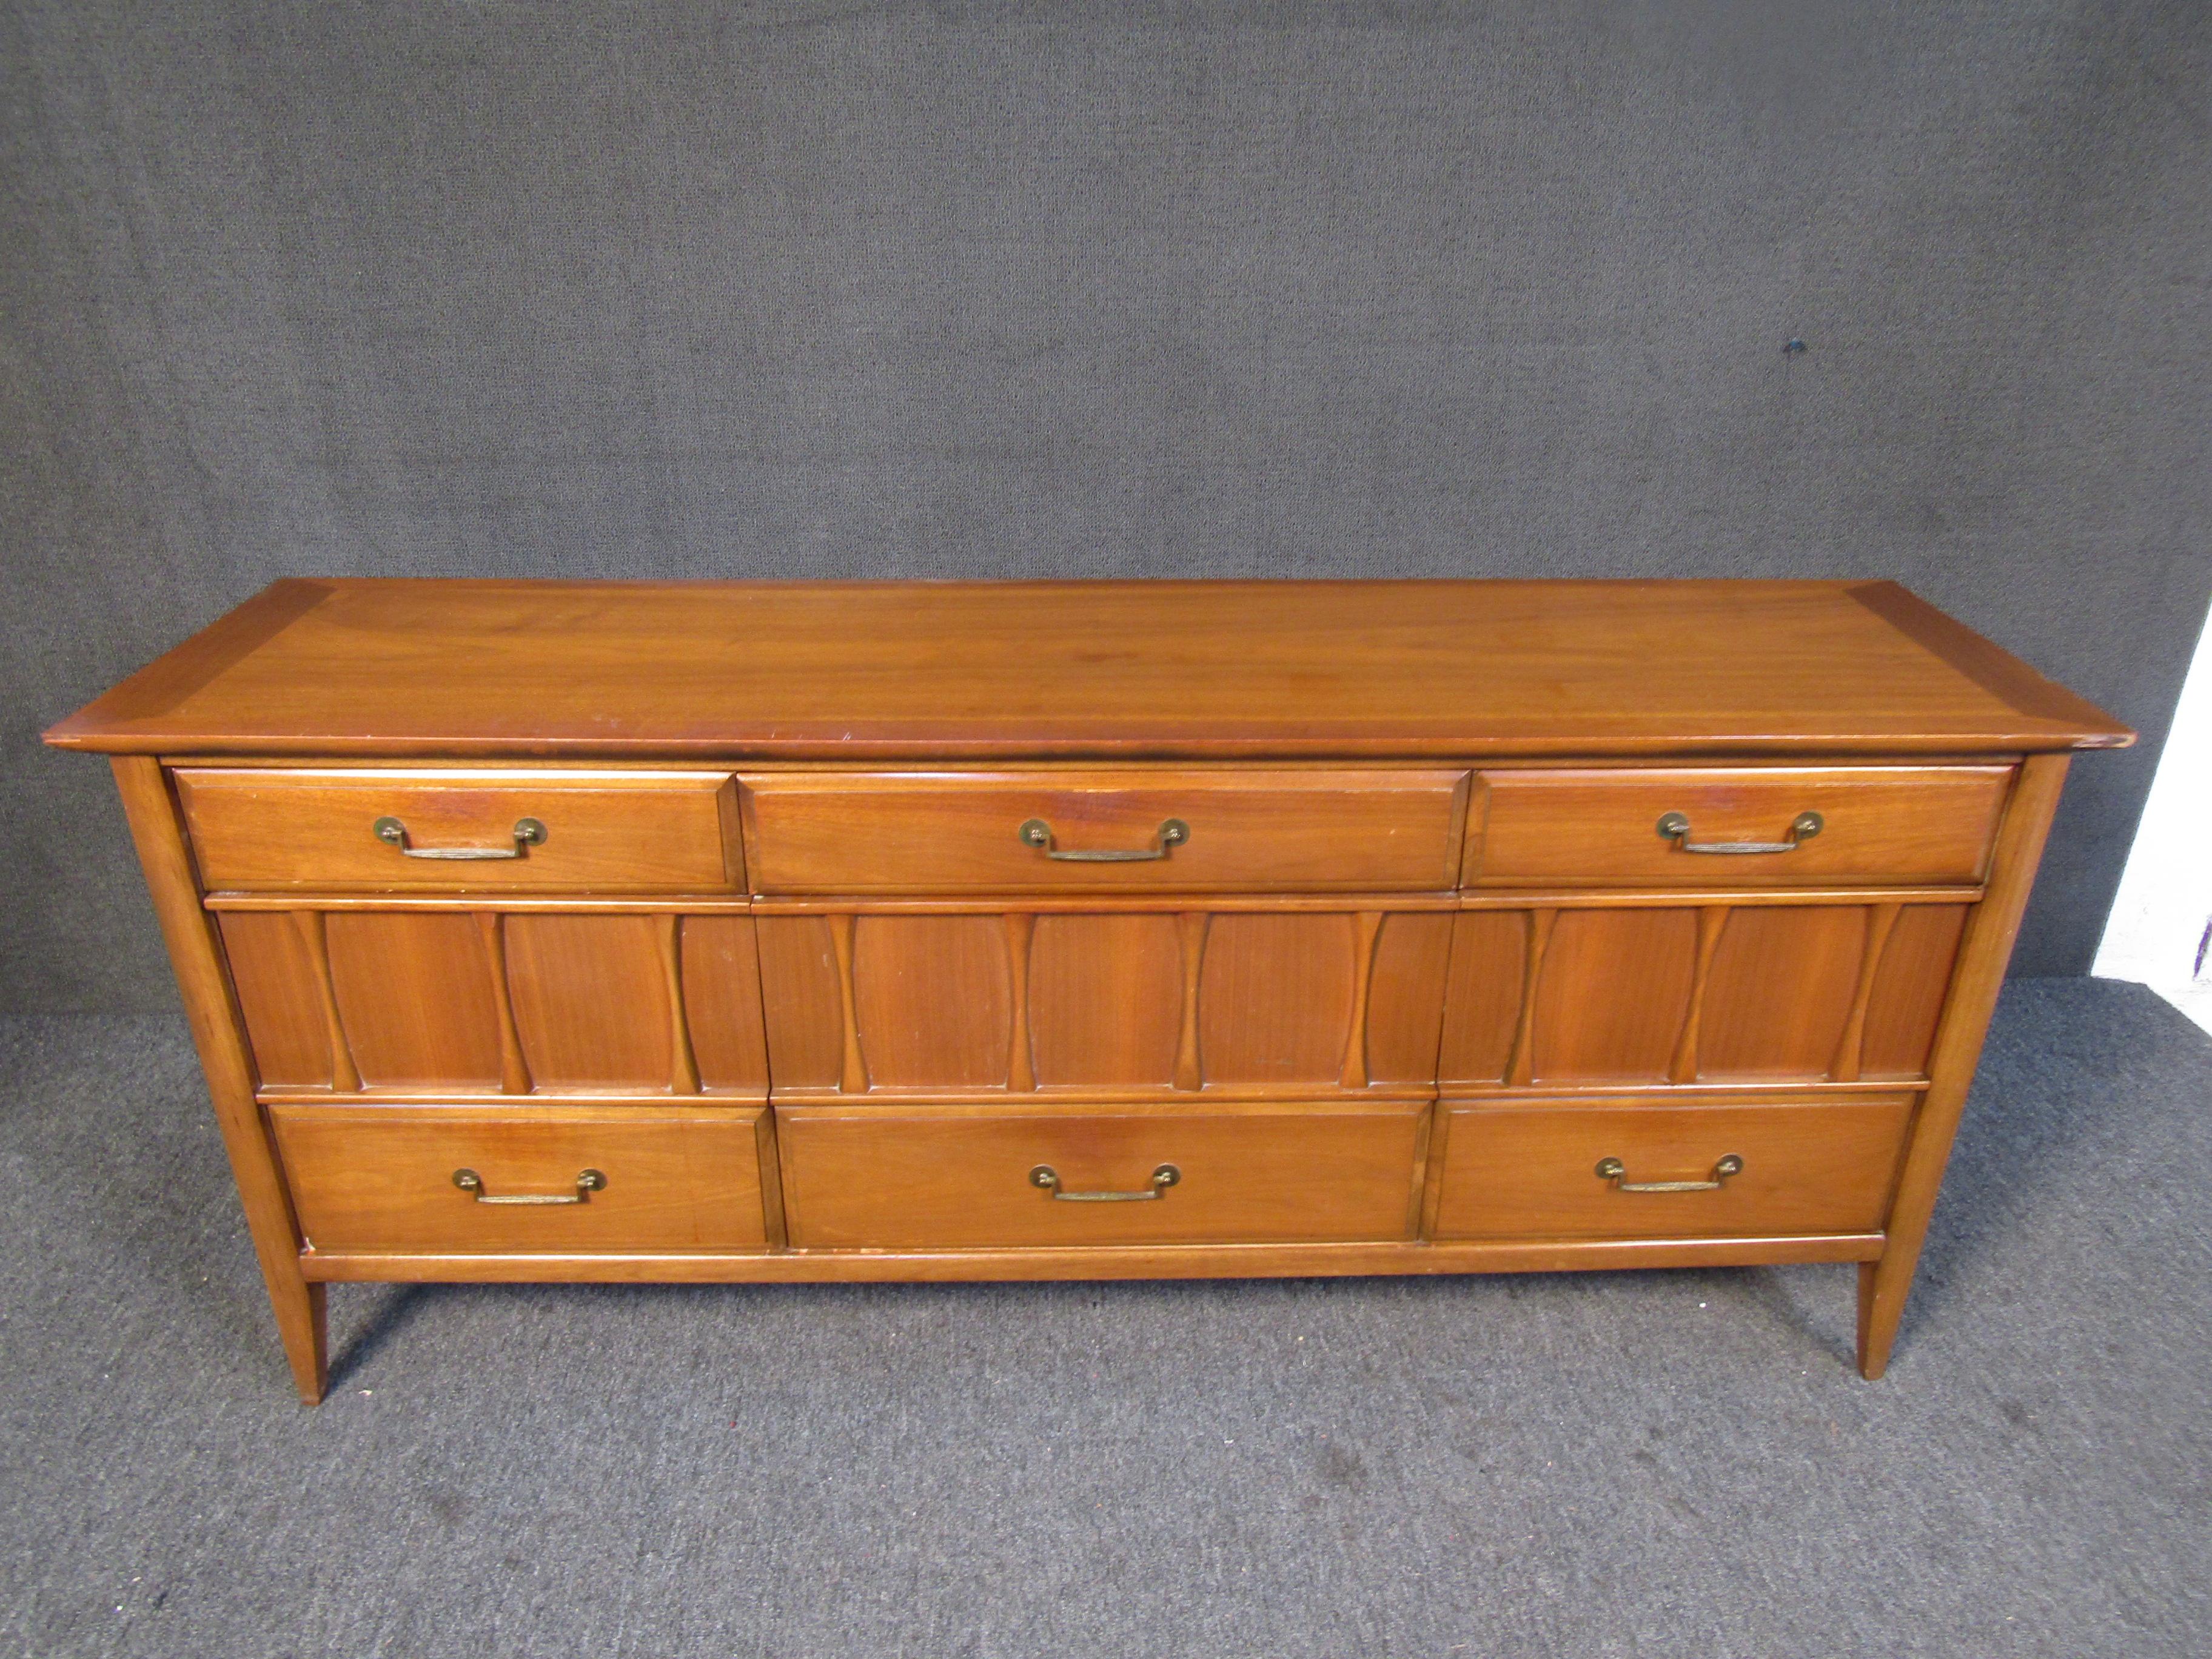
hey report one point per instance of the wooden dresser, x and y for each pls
(760, 930)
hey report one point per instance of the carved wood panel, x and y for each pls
(932, 999)
(1105, 999)
(589, 1001)
(720, 982)
(1126, 1001)
(1275, 997)
(1129, 1000)
(418, 999)
(1612, 990)
(489, 1002)
(1608, 995)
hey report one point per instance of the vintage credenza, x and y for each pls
(818, 931)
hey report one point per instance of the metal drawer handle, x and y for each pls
(1612, 1169)
(587, 1182)
(1173, 833)
(528, 832)
(1165, 1177)
(1675, 827)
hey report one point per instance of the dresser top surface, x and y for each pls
(1036, 669)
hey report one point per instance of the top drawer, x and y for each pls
(452, 828)
(1736, 826)
(1165, 829)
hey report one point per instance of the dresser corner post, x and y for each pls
(218, 1033)
(1976, 983)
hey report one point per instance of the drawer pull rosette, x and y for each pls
(1171, 834)
(587, 1182)
(1613, 1169)
(528, 832)
(1675, 827)
(1046, 1177)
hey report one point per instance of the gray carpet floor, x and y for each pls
(1651, 1463)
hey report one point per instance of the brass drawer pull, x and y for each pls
(1165, 1177)
(1675, 827)
(1037, 833)
(1612, 1169)
(587, 1182)
(528, 832)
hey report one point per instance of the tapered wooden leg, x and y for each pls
(1877, 1323)
(219, 1034)
(1975, 983)
(303, 1319)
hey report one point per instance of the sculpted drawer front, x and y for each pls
(1711, 826)
(1220, 829)
(1653, 1169)
(500, 829)
(961, 1177)
(461, 1179)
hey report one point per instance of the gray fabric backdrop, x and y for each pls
(704, 289)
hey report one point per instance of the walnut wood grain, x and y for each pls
(684, 1064)
(1528, 1169)
(1520, 1063)
(513, 1063)
(932, 1001)
(1780, 992)
(1106, 999)
(1021, 1059)
(902, 1177)
(1910, 984)
(591, 997)
(344, 1074)
(853, 671)
(1977, 977)
(1906, 826)
(1611, 995)
(418, 997)
(1485, 999)
(852, 1065)
(722, 1015)
(1711, 921)
(940, 833)
(849, 1073)
(275, 983)
(1295, 1001)
(1193, 930)
(1100, 1261)
(1401, 1028)
(1276, 997)
(608, 831)
(1367, 928)
(1881, 922)
(218, 1032)
(381, 1177)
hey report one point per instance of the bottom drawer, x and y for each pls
(382, 1178)
(963, 1177)
(1573, 1171)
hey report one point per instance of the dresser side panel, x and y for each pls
(1975, 985)
(219, 1033)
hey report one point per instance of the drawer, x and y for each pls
(601, 832)
(382, 1178)
(1548, 1170)
(1732, 826)
(1220, 829)
(963, 1177)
